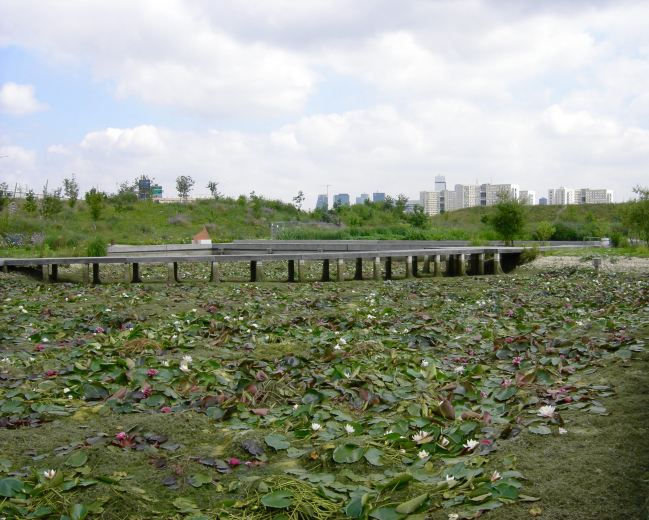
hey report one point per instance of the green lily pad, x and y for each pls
(77, 459)
(277, 441)
(278, 499)
(348, 453)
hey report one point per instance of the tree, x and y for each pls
(401, 202)
(298, 200)
(95, 201)
(544, 231)
(31, 204)
(508, 218)
(71, 190)
(51, 204)
(213, 187)
(418, 218)
(4, 195)
(184, 185)
(636, 214)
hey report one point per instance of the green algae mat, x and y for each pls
(520, 396)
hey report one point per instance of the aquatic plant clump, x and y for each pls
(360, 400)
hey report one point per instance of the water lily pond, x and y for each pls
(503, 397)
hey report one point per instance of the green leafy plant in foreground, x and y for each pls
(46, 494)
(372, 400)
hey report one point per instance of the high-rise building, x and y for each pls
(378, 196)
(467, 195)
(527, 196)
(430, 201)
(342, 199)
(492, 192)
(440, 182)
(362, 198)
(323, 202)
(588, 196)
(447, 201)
(562, 196)
(543, 201)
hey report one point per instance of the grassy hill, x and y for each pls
(70, 231)
(571, 222)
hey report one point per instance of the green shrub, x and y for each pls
(616, 238)
(544, 231)
(97, 247)
(531, 254)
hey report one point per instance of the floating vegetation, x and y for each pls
(270, 401)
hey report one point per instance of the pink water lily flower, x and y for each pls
(120, 436)
(151, 372)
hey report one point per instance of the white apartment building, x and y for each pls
(493, 190)
(562, 196)
(430, 200)
(588, 196)
(528, 196)
(448, 200)
(467, 195)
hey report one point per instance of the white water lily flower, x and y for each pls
(460, 369)
(315, 426)
(423, 454)
(424, 363)
(450, 478)
(342, 341)
(495, 476)
(419, 436)
(370, 317)
(402, 451)
(337, 347)
(546, 411)
(349, 429)
(453, 516)
(49, 474)
(562, 431)
(187, 359)
(66, 390)
(444, 442)
(471, 444)
(184, 368)
(165, 363)
(295, 407)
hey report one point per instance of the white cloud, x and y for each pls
(17, 165)
(376, 149)
(540, 94)
(166, 53)
(18, 100)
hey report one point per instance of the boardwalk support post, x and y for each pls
(326, 277)
(214, 272)
(358, 275)
(95, 274)
(300, 271)
(377, 269)
(340, 271)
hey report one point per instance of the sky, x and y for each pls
(284, 96)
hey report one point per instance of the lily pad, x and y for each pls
(277, 441)
(348, 453)
(278, 499)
